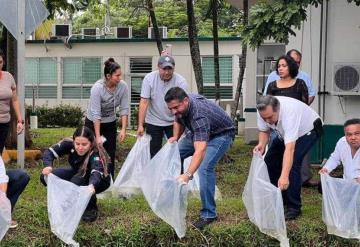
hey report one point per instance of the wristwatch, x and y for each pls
(189, 175)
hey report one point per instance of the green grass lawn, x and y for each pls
(132, 223)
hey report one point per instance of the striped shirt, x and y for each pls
(205, 120)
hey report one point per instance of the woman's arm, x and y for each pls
(16, 106)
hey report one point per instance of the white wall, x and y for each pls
(120, 51)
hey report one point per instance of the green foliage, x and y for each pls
(58, 116)
(277, 20)
(169, 13)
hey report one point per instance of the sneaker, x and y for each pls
(292, 214)
(202, 222)
(13, 224)
(90, 215)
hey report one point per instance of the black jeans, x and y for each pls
(18, 179)
(69, 174)
(4, 130)
(157, 134)
(274, 158)
(108, 130)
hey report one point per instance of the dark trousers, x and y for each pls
(69, 174)
(18, 179)
(274, 158)
(157, 134)
(4, 130)
(108, 130)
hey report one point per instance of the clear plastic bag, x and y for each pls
(66, 204)
(127, 183)
(263, 202)
(166, 196)
(341, 206)
(5, 214)
(194, 184)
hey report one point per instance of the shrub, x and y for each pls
(58, 116)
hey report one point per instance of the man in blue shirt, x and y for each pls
(296, 55)
(210, 134)
(273, 76)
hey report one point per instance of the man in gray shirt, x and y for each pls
(153, 110)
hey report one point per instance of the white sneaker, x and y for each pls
(13, 224)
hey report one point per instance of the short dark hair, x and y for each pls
(351, 122)
(296, 51)
(292, 65)
(267, 100)
(110, 66)
(175, 93)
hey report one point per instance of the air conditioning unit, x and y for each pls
(346, 80)
(122, 32)
(90, 33)
(162, 30)
(61, 30)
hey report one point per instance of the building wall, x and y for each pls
(121, 51)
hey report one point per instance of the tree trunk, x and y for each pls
(215, 8)
(242, 62)
(155, 26)
(194, 46)
(11, 61)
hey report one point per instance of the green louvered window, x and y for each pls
(226, 77)
(79, 74)
(41, 78)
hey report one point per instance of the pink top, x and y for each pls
(7, 86)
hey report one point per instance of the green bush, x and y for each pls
(58, 116)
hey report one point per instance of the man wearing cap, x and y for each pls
(153, 111)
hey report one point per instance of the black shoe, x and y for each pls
(90, 215)
(202, 222)
(292, 214)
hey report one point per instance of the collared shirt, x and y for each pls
(342, 154)
(154, 89)
(273, 76)
(295, 119)
(205, 119)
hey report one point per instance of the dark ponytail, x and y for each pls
(110, 66)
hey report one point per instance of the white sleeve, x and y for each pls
(146, 88)
(291, 124)
(334, 159)
(3, 177)
(261, 124)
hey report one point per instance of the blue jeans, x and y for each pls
(216, 148)
(274, 158)
(18, 179)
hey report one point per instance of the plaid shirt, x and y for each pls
(205, 120)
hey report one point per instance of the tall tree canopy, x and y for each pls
(169, 13)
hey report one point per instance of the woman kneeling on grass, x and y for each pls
(86, 165)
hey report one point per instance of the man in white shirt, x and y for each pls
(298, 127)
(347, 152)
(273, 76)
(153, 111)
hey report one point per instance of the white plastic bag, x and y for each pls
(166, 196)
(5, 214)
(263, 202)
(127, 182)
(66, 204)
(341, 206)
(194, 184)
(108, 192)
